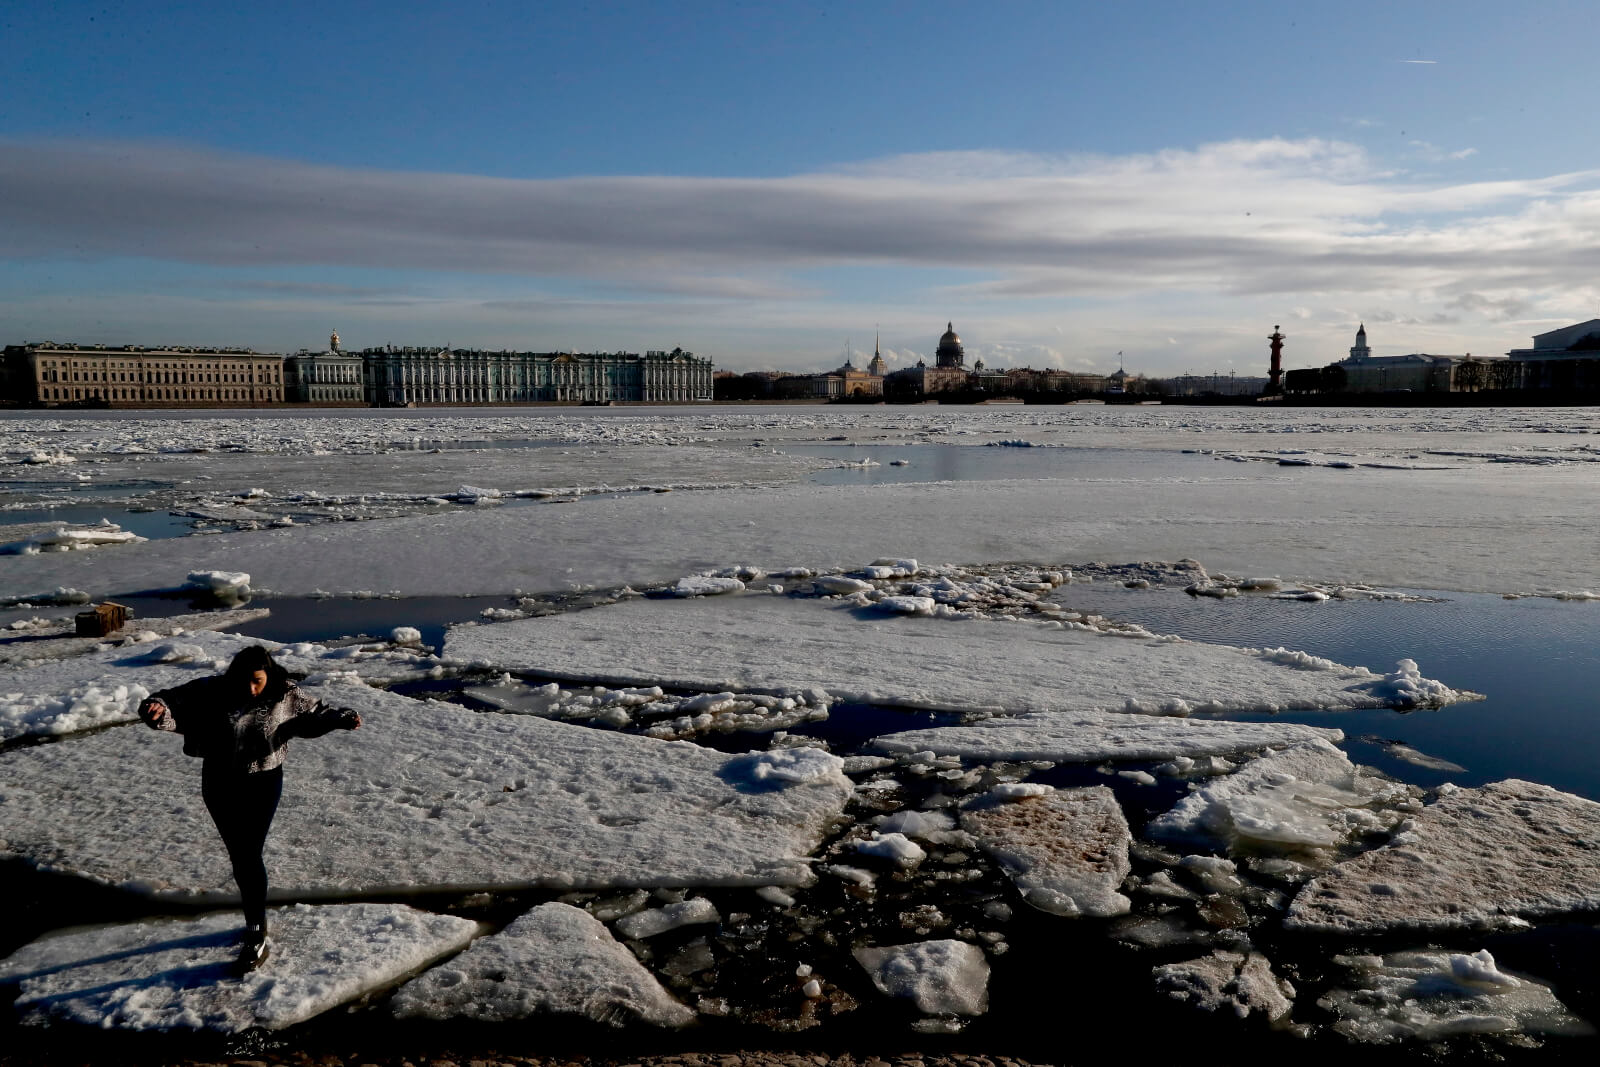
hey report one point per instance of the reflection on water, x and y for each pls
(155, 525)
(1534, 660)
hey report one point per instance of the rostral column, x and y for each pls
(1276, 385)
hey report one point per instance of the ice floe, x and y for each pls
(1091, 737)
(1488, 857)
(178, 974)
(428, 795)
(1430, 995)
(939, 977)
(1067, 851)
(1308, 796)
(1240, 982)
(554, 960)
(776, 644)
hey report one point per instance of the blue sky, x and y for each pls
(765, 183)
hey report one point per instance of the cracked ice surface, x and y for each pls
(425, 795)
(1508, 851)
(1067, 851)
(770, 643)
(554, 960)
(177, 975)
(1254, 526)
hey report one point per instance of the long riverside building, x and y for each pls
(415, 376)
(48, 374)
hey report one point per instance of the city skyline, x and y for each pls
(1063, 182)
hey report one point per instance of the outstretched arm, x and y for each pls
(163, 710)
(313, 718)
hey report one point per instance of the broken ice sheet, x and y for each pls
(428, 795)
(748, 643)
(1067, 851)
(1493, 856)
(1432, 994)
(1305, 798)
(178, 974)
(554, 960)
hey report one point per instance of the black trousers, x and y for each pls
(242, 806)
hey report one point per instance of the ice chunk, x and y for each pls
(1428, 995)
(703, 585)
(899, 848)
(1475, 857)
(1239, 982)
(429, 795)
(649, 923)
(922, 824)
(178, 975)
(1307, 796)
(938, 976)
(838, 583)
(907, 605)
(1066, 851)
(224, 585)
(806, 766)
(1405, 687)
(406, 635)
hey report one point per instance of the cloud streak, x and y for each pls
(1272, 217)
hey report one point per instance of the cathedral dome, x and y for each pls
(950, 353)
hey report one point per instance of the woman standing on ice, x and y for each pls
(240, 723)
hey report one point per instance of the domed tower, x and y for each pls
(950, 352)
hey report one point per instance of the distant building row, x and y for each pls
(1567, 360)
(67, 375)
(949, 374)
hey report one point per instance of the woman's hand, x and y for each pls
(154, 712)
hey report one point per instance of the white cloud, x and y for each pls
(1256, 230)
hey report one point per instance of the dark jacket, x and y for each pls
(221, 724)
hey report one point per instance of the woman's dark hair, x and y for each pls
(256, 658)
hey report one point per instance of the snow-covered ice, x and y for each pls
(178, 974)
(1493, 856)
(554, 960)
(778, 644)
(1429, 995)
(1239, 521)
(50, 696)
(1067, 851)
(426, 795)
(937, 976)
(1092, 737)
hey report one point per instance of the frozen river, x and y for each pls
(946, 571)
